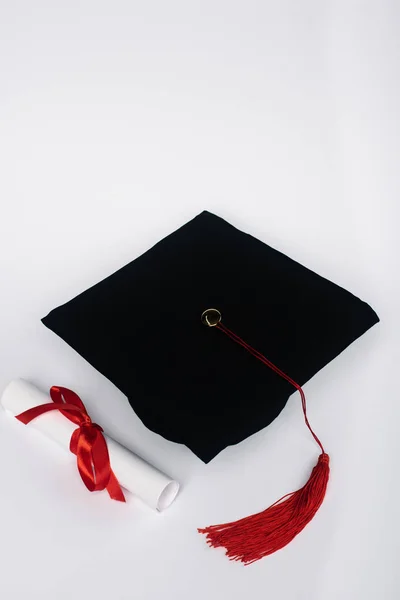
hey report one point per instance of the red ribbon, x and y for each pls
(87, 441)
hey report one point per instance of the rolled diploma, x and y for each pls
(156, 489)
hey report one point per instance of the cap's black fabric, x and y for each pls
(141, 328)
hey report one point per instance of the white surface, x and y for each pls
(119, 121)
(156, 489)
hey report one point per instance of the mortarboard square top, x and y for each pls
(141, 328)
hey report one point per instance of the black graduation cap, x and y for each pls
(186, 369)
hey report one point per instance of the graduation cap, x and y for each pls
(208, 334)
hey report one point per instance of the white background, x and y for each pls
(120, 121)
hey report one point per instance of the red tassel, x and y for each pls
(259, 535)
(264, 533)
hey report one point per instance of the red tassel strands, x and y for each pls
(259, 535)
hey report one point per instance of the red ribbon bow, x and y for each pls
(87, 442)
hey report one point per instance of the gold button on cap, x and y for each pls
(211, 317)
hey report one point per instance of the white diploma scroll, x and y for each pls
(156, 489)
